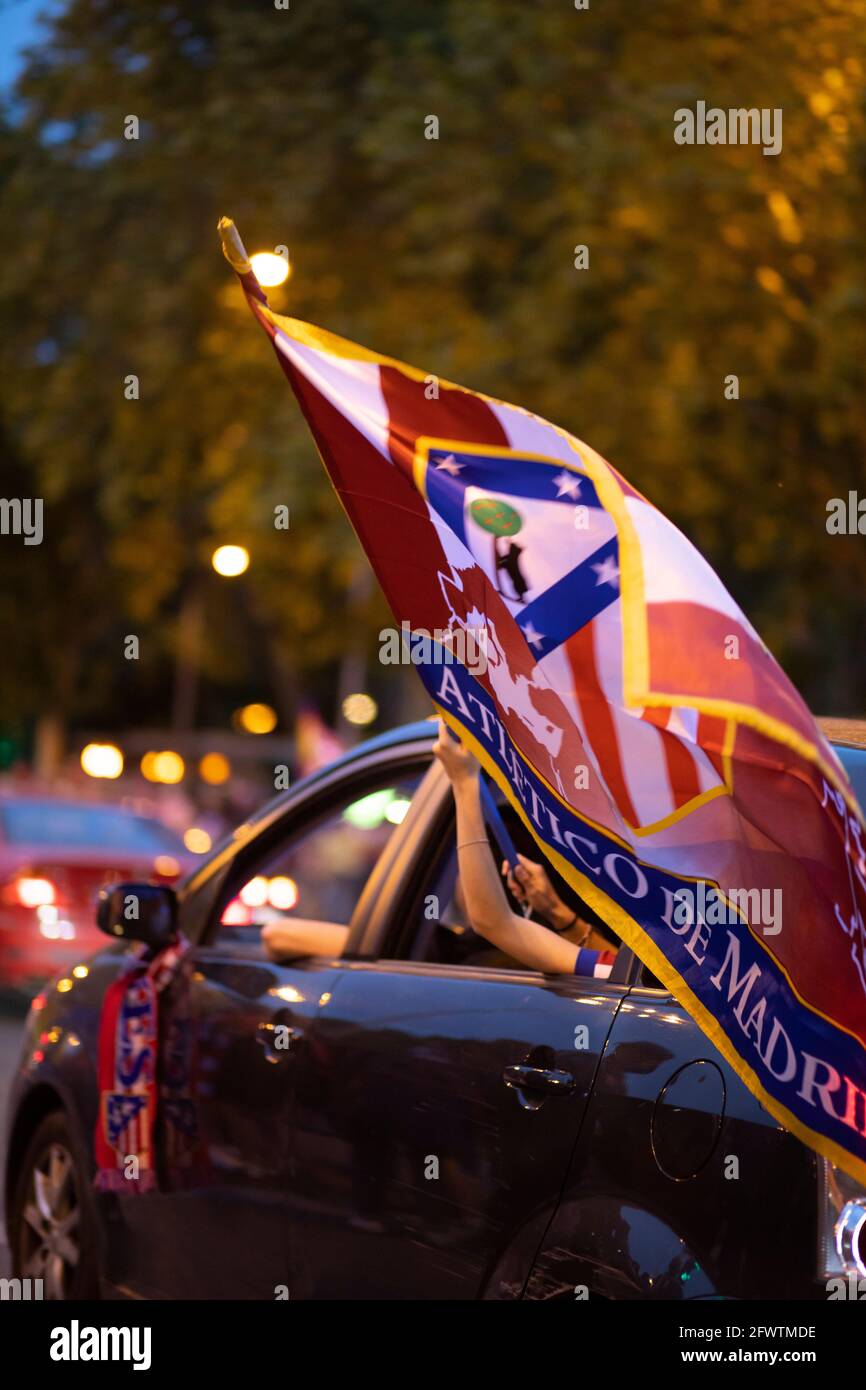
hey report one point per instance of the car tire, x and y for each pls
(53, 1228)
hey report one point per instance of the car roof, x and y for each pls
(845, 733)
(43, 799)
(422, 729)
(404, 733)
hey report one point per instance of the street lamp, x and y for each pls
(214, 768)
(256, 719)
(165, 766)
(360, 708)
(269, 269)
(230, 560)
(102, 760)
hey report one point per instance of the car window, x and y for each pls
(854, 762)
(320, 870)
(82, 827)
(435, 927)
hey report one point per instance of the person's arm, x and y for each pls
(530, 884)
(299, 936)
(532, 944)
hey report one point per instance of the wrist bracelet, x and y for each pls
(568, 926)
(473, 842)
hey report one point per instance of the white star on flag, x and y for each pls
(567, 484)
(534, 638)
(608, 572)
(449, 465)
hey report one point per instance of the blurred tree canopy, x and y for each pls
(307, 125)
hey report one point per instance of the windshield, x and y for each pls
(64, 824)
(854, 762)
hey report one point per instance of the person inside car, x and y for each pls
(569, 945)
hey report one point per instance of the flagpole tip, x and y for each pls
(233, 247)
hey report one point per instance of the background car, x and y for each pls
(55, 856)
(428, 1127)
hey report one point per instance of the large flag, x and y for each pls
(606, 680)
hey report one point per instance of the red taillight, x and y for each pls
(35, 892)
(236, 914)
(166, 866)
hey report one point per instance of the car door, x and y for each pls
(682, 1186)
(437, 1111)
(233, 1025)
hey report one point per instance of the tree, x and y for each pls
(309, 126)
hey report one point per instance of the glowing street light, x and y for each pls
(214, 768)
(166, 766)
(360, 708)
(256, 719)
(230, 560)
(102, 760)
(270, 269)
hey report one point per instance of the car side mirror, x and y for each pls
(139, 912)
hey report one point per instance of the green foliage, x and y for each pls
(456, 254)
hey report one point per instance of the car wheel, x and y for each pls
(53, 1224)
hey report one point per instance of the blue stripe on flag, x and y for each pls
(510, 475)
(447, 496)
(570, 603)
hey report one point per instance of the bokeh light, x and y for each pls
(256, 719)
(395, 812)
(360, 708)
(197, 841)
(282, 892)
(166, 766)
(102, 760)
(255, 893)
(269, 268)
(34, 892)
(215, 769)
(230, 560)
(166, 866)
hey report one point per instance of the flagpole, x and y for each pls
(233, 248)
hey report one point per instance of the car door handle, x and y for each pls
(525, 1078)
(276, 1037)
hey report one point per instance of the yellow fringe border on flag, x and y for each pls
(646, 949)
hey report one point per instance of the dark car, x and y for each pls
(418, 1118)
(55, 856)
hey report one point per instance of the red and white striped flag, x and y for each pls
(626, 706)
